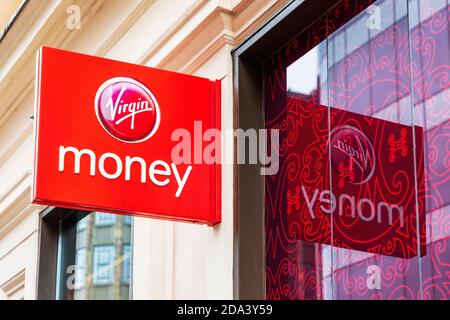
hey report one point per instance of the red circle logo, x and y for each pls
(352, 152)
(127, 109)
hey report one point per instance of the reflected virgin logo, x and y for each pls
(352, 154)
(127, 110)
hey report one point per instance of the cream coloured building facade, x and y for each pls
(169, 260)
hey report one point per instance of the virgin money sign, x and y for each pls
(359, 184)
(103, 133)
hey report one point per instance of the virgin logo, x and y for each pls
(127, 110)
(353, 153)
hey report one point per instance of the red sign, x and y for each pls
(362, 151)
(103, 138)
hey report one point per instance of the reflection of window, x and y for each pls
(80, 271)
(126, 264)
(103, 270)
(85, 260)
(82, 224)
(104, 219)
(127, 220)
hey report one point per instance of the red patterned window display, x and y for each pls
(359, 208)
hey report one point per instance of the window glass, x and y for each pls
(103, 265)
(80, 273)
(127, 220)
(82, 224)
(126, 264)
(357, 209)
(104, 219)
(101, 251)
(430, 43)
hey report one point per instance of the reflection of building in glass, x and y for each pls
(103, 257)
(394, 70)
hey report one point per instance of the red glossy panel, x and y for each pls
(66, 117)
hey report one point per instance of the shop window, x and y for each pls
(357, 209)
(91, 252)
